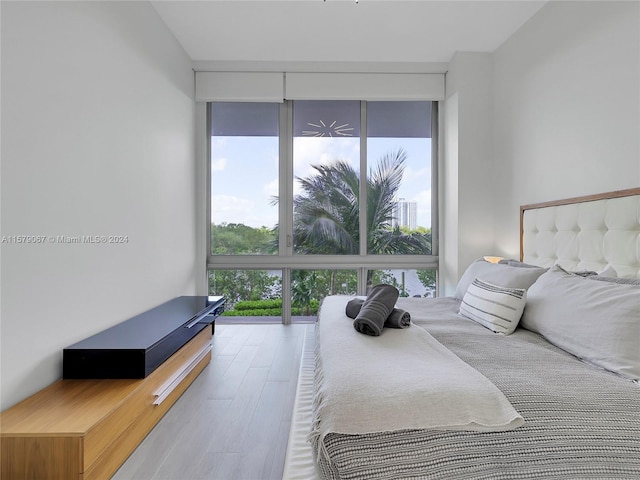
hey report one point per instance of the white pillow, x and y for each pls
(497, 308)
(598, 322)
(498, 274)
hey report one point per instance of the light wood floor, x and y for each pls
(233, 422)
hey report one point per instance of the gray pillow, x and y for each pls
(497, 274)
(624, 281)
(596, 321)
(516, 263)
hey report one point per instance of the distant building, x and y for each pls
(404, 214)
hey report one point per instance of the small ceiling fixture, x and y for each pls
(324, 130)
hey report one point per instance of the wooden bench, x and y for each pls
(86, 428)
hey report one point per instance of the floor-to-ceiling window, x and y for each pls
(316, 197)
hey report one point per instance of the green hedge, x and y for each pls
(258, 304)
(266, 308)
(260, 312)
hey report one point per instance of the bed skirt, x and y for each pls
(298, 464)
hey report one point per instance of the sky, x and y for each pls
(244, 172)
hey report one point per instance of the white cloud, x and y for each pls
(423, 197)
(229, 209)
(233, 209)
(423, 207)
(218, 164)
(218, 142)
(309, 151)
(411, 172)
(271, 189)
(275, 160)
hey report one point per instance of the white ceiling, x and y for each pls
(341, 30)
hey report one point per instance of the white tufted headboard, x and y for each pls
(584, 233)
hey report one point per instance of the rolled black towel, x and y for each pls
(354, 306)
(376, 309)
(397, 319)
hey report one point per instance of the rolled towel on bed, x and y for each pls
(354, 306)
(398, 318)
(375, 310)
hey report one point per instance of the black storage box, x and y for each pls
(136, 347)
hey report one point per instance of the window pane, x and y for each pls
(399, 190)
(410, 283)
(250, 295)
(244, 178)
(326, 160)
(309, 287)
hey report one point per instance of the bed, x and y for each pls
(561, 364)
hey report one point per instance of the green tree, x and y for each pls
(237, 285)
(240, 239)
(427, 278)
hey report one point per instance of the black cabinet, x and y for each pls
(136, 347)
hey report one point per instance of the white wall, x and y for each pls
(97, 139)
(466, 174)
(566, 117)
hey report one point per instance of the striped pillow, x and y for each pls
(497, 308)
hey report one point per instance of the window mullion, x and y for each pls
(208, 190)
(435, 161)
(362, 208)
(286, 203)
(285, 221)
(286, 296)
(362, 280)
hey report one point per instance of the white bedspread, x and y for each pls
(402, 380)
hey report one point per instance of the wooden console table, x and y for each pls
(86, 428)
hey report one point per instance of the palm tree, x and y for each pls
(326, 214)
